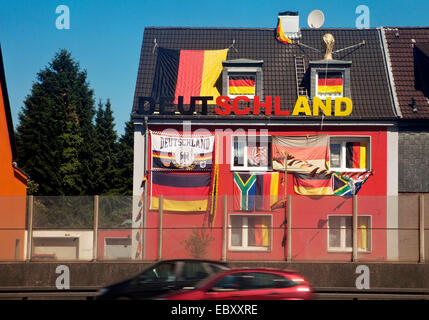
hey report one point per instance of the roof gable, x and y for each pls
(408, 50)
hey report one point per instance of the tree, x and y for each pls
(105, 151)
(55, 128)
(126, 160)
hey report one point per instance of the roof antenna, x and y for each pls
(155, 44)
(232, 46)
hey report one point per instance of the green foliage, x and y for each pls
(59, 145)
(54, 125)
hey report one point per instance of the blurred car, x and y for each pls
(249, 284)
(163, 277)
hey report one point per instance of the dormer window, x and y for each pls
(242, 77)
(241, 84)
(329, 84)
(330, 79)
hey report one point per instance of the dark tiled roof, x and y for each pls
(369, 84)
(408, 51)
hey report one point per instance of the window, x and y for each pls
(241, 84)
(163, 272)
(330, 78)
(340, 233)
(251, 153)
(351, 154)
(330, 84)
(242, 77)
(249, 232)
(193, 271)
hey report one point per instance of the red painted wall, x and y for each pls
(309, 214)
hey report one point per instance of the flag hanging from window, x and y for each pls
(330, 83)
(241, 85)
(183, 192)
(305, 154)
(261, 231)
(255, 191)
(187, 73)
(356, 155)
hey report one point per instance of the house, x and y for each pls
(13, 184)
(269, 92)
(407, 54)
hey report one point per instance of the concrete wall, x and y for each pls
(42, 275)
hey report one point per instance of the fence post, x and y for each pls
(289, 227)
(224, 233)
(160, 214)
(422, 228)
(95, 228)
(30, 227)
(355, 229)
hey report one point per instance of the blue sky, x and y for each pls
(105, 35)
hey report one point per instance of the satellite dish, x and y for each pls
(316, 19)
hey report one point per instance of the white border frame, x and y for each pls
(245, 234)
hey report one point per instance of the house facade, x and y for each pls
(407, 58)
(332, 119)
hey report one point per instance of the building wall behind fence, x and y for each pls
(309, 237)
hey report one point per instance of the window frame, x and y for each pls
(245, 234)
(345, 249)
(343, 153)
(246, 166)
(343, 74)
(241, 73)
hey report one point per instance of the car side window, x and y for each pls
(263, 280)
(160, 273)
(230, 282)
(193, 271)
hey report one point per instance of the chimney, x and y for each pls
(290, 24)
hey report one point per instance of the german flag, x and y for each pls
(261, 231)
(241, 85)
(183, 192)
(311, 186)
(356, 155)
(330, 83)
(187, 73)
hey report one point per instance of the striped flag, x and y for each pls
(255, 191)
(356, 155)
(280, 34)
(305, 184)
(330, 83)
(242, 85)
(187, 73)
(183, 192)
(261, 231)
